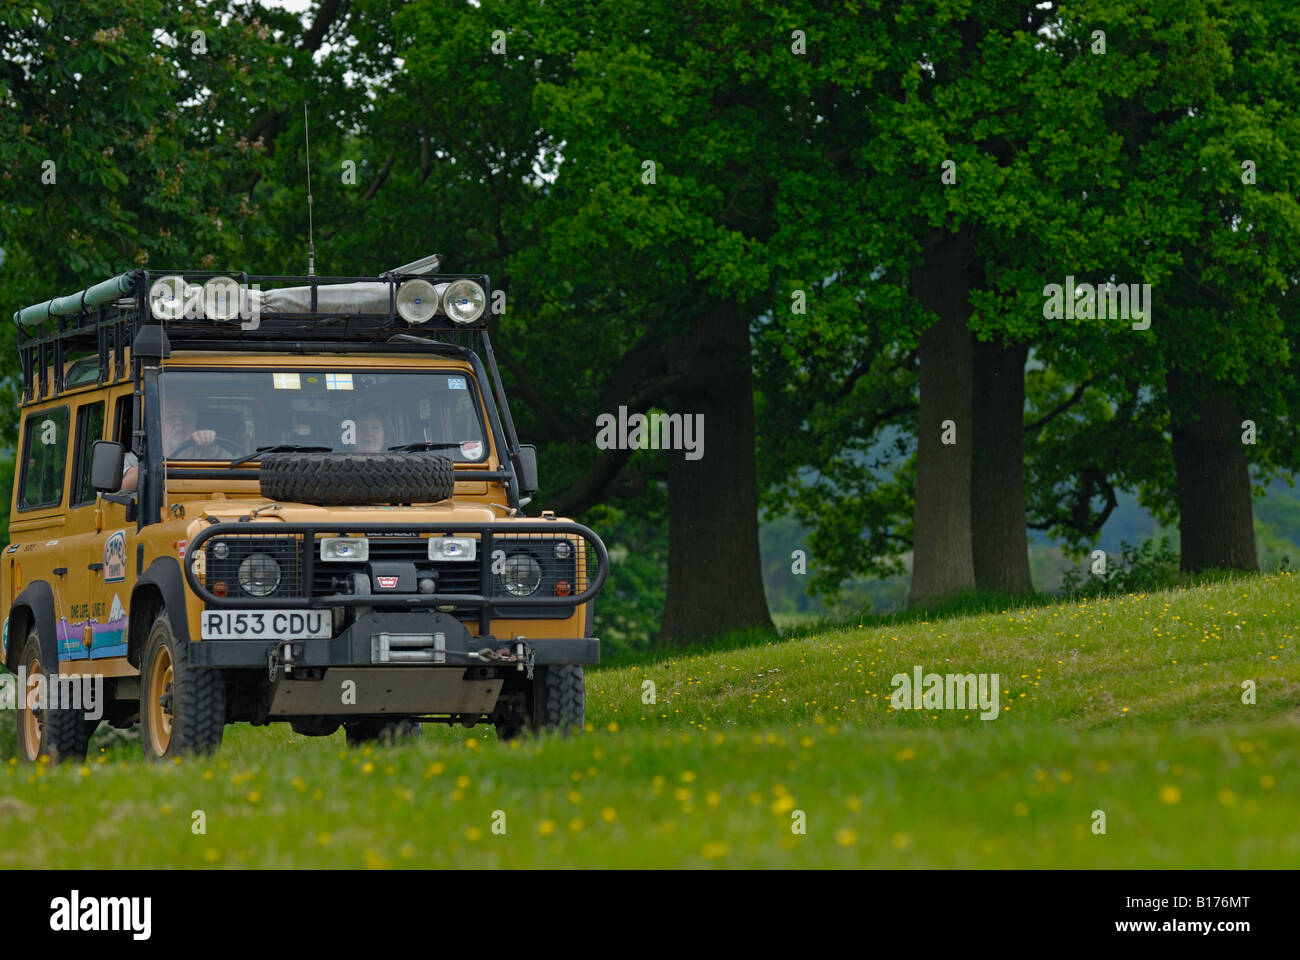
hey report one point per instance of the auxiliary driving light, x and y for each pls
(463, 301)
(451, 548)
(417, 301)
(355, 549)
(221, 297)
(167, 297)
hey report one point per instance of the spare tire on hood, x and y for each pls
(357, 479)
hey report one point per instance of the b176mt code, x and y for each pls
(1164, 903)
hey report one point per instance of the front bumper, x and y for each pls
(399, 640)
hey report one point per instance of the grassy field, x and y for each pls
(1130, 706)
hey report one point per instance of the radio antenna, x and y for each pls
(311, 243)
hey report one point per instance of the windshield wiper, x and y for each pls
(279, 448)
(423, 445)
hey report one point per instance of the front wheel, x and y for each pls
(559, 700)
(182, 709)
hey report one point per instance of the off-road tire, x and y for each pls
(559, 702)
(387, 732)
(315, 726)
(510, 718)
(63, 734)
(198, 698)
(357, 479)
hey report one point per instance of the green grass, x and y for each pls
(1131, 706)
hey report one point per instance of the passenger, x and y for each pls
(179, 420)
(370, 433)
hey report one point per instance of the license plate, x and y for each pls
(265, 624)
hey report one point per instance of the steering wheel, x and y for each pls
(225, 443)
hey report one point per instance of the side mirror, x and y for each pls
(106, 459)
(527, 469)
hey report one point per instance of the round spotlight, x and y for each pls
(463, 301)
(417, 301)
(221, 298)
(167, 297)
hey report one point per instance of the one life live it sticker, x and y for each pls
(471, 449)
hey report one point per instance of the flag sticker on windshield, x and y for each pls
(338, 381)
(286, 381)
(456, 383)
(471, 449)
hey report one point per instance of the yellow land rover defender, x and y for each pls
(260, 498)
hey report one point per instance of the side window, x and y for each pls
(90, 427)
(45, 452)
(122, 426)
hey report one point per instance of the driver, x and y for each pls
(179, 433)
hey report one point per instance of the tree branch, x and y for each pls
(589, 491)
(379, 179)
(270, 120)
(1052, 414)
(559, 428)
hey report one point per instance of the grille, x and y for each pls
(506, 565)
(451, 576)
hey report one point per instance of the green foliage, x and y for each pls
(1141, 569)
(781, 177)
(629, 607)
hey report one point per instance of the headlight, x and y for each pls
(220, 551)
(563, 550)
(451, 548)
(345, 549)
(463, 301)
(259, 574)
(522, 575)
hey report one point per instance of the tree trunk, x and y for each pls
(1216, 518)
(999, 538)
(942, 562)
(715, 579)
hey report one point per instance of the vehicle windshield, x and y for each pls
(228, 414)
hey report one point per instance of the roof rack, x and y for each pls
(214, 310)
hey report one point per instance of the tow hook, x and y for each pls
(522, 656)
(281, 654)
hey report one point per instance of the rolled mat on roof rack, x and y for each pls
(362, 297)
(94, 296)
